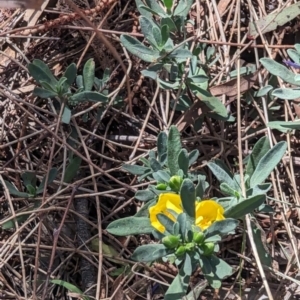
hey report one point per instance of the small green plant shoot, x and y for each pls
(187, 227)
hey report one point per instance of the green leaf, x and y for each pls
(149, 28)
(31, 189)
(157, 37)
(213, 103)
(165, 34)
(165, 177)
(267, 163)
(70, 287)
(215, 270)
(261, 247)
(180, 54)
(29, 178)
(149, 253)
(166, 222)
(174, 147)
(279, 70)
(154, 164)
(271, 21)
(263, 91)
(171, 26)
(144, 195)
(222, 174)
(289, 94)
(188, 197)
(294, 55)
(183, 161)
(138, 49)
(162, 145)
(130, 226)
(261, 147)
(79, 82)
(245, 207)
(40, 72)
(201, 186)
(70, 73)
(42, 93)
(183, 8)
(221, 227)
(182, 220)
(144, 211)
(142, 11)
(51, 177)
(66, 116)
(72, 169)
(88, 75)
(13, 190)
(193, 156)
(179, 286)
(284, 126)
(135, 169)
(88, 96)
(154, 5)
(227, 190)
(168, 4)
(259, 189)
(187, 265)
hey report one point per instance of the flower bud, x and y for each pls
(198, 237)
(180, 251)
(190, 246)
(171, 241)
(175, 183)
(161, 186)
(208, 248)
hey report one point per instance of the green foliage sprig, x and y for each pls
(189, 232)
(61, 89)
(287, 76)
(167, 50)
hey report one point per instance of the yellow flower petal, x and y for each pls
(166, 201)
(207, 212)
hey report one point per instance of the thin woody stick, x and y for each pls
(111, 48)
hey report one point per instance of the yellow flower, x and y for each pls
(166, 201)
(207, 211)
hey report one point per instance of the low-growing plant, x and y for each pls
(287, 76)
(187, 227)
(62, 89)
(167, 50)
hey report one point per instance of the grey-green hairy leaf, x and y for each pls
(144, 195)
(289, 94)
(221, 227)
(279, 70)
(174, 147)
(261, 147)
(267, 163)
(41, 72)
(138, 49)
(149, 253)
(130, 226)
(135, 169)
(188, 197)
(70, 73)
(244, 207)
(88, 96)
(183, 161)
(88, 74)
(284, 126)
